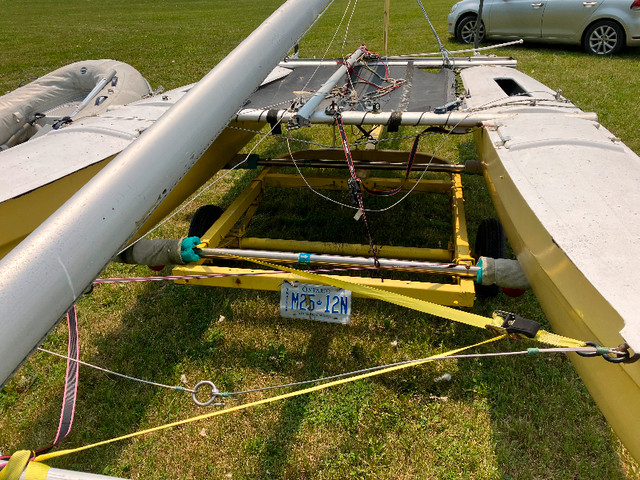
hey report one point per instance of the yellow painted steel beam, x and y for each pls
(221, 228)
(351, 249)
(460, 295)
(462, 251)
(281, 180)
(375, 135)
(372, 145)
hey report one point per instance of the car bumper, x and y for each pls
(451, 21)
(633, 41)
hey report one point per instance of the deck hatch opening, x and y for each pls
(511, 87)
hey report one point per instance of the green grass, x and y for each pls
(520, 418)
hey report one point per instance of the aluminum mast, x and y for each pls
(37, 284)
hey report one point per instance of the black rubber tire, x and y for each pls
(603, 38)
(490, 242)
(465, 29)
(202, 220)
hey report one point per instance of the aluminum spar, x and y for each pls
(37, 284)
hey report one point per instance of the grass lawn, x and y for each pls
(514, 418)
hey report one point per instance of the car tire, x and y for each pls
(466, 27)
(603, 38)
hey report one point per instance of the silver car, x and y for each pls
(602, 27)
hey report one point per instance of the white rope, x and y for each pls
(346, 32)
(453, 52)
(377, 210)
(446, 56)
(512, 101)
(324, 55)
(529, 351)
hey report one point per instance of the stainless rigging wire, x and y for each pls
(529, 351)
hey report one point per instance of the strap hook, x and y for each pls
(612, 355)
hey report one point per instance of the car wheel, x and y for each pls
(603, 38)
(466, 29)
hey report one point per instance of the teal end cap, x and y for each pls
(603, 350)
(179, 388)
(479, 276)
(188, 249)
(533, 351)
(225, 394)
(252, 161)
(304, 259)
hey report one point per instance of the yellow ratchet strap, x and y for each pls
(468, 318)
(245, 406)
(17, 463)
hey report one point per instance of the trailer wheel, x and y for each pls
(490, 242)
(202, 220)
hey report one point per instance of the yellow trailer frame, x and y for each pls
(230, 231)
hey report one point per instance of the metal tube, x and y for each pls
(349, 249)
(290, 257)
(38, 285)
(411, 119)
(385, 34)
(420, 63)
(431, 167)
(93, 92)
(476, 39)
(301, 118)
(458, 119)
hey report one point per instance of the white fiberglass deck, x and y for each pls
(578, 179)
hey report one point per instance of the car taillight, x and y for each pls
(635, 5)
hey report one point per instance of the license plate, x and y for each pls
(315, 302)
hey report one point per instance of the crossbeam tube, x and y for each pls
(341, 260)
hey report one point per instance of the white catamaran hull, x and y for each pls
(566, 192)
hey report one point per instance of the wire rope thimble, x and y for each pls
(215, 393)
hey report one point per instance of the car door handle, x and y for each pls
(537, 5)
(589, 4)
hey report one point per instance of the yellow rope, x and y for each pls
(296, 393)
(366, 291)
